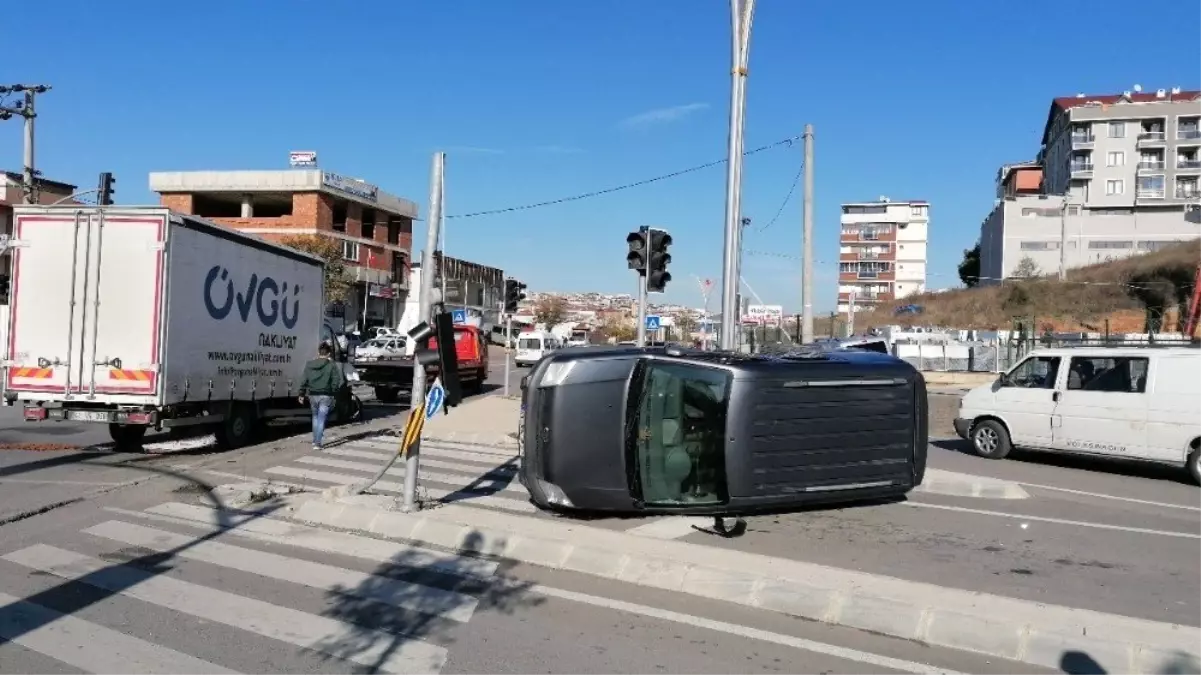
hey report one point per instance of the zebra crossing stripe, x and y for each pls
(316, 539)
(88, 646)
(481, 451)
(383, 650)
(426, 461)
(456, 496)
(416, 597)
(445, 478)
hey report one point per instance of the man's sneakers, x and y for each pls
(316, 448)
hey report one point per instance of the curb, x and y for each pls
(950, 483)
(1030, 632)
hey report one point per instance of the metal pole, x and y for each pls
(413, 460)
(741, 12)
(851, 315)
(1063, 239)
(806, 328)
(508, 332)
(642, 308)
(30, 192)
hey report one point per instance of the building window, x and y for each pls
(1040, 246)
(1151, 186)
(918, 210)
(1043, 212)
(1117, 130)
(1109, 244)
(1154, 245)
(865, 209)
(1115, 158)
(350, 250)
(1115, 187)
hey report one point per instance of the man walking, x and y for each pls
(323, 380)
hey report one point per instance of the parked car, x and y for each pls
(381, 348)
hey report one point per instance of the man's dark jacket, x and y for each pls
(322, 377)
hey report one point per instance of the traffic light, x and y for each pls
(105, 197)
(442, 354)
(513, 295)
(657, 275)
(636, 258)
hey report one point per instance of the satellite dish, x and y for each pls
(1138, 87)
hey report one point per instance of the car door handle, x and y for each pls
(1055, 397)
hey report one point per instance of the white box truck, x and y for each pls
(142, 318)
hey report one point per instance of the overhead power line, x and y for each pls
(787, 198)
(597, 193)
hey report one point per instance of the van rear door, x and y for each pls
(86, 304)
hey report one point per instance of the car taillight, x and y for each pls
(35, 413)
(138, 418)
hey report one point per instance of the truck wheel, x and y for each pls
(387, 394)
(1194, 462)
(127, 436)
(237, 429)
(990, 440)
(477, 384)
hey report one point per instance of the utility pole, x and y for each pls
(806, 327)
(424, 313)
(741, 12)
(28, 110)
(851, 314)
(1063, 239)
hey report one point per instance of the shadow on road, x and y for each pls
(384, 615)
(1079, 462)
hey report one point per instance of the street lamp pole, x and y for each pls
(741, 12)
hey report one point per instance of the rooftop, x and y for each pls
(1064, 103)
(282, 181)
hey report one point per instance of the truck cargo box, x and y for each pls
(142, 306)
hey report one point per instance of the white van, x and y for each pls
(1128, 402)
(532, 346)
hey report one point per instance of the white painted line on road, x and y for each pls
(88, 646)
(1058, 521)
(455, 496)
(493, 459)
(1099, 495)
(426, 460)
(29, 481)
(444, 478)
(671, 527)
(425, 599)
(316, 539)
(308, 631)
(250, 479)
(877, 660)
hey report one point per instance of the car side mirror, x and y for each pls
(1004, 381)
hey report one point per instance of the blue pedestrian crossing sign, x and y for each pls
(435, 398)
(458, 315)
(652, 322)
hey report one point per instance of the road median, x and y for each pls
(1035, 633)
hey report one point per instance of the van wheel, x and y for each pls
(127, 436)
(237, 429)
(990, 439)
(1194, 462)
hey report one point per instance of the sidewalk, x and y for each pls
(485, 420)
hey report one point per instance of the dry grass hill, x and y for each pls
(1119, 292)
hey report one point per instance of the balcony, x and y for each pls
(1151, 165)
(1150, 193)
(867, 297)
(1188, 164)
(1082, 169)
(1188, 133)
(1082, 139)
(1151, 138)
(1188, 191)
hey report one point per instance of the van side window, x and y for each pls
(1122, 374)
(1037, 372)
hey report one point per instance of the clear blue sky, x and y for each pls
(538, 99)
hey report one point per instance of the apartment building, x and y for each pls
(1124, 150)
(882, 251)
(1117, 175)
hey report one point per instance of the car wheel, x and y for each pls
(990, 439)
(1194, 462)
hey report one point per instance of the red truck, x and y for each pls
(390, 376)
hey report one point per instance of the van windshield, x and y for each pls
(676, 435)
(529, 343)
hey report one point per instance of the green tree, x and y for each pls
(619, 330)
(1026, 269)
(969, 269)
(685, 325)
(337, 277)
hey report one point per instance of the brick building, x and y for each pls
(375, 228)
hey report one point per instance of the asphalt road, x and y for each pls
(105, 586)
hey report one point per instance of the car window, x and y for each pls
(1036, 372)
(1110, 374)
(529, 343)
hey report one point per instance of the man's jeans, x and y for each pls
(321, 406)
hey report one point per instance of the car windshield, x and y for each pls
(529, 343)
